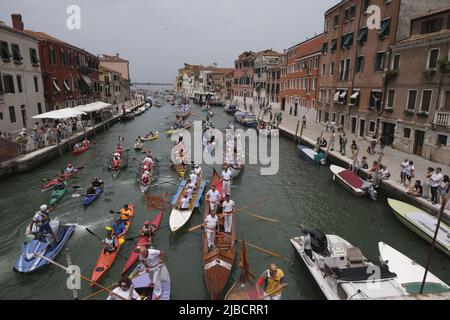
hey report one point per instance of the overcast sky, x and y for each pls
(158, 36)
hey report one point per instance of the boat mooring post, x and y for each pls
(301, 133)
(433, 243)
(69, 263)
(296, 130)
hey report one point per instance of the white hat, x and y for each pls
(43, 208)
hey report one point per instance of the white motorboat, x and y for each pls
(342, 272)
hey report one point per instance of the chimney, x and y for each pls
(17, 21)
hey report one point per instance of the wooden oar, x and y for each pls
(237, 210)
(101, 240)
(259, 217)
(273, 291)
(78, 275)
(50, 179)
(97, 292)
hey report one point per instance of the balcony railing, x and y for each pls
(442, 119)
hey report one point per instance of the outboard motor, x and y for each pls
(319, 242)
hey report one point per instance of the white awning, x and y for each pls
(94, 106)
(343, 94)
(355, 95)
(86, 79)
(55, 85)
(66, 85)
(60, 114)
(336, 96)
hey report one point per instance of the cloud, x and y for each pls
(158, 36)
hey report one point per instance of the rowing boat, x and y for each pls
(422, 223)
(138, 146)
(154, 175)
(245, 287)
(89, 198)
(58, 194)
(178, 218)
(349, 180)
(143, 242)
(80, 150)
(218, 261)
(106, 259)
(50, 184)
(123, 163)
(153, 137)
(143, 284)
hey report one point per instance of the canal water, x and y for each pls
(299, 193)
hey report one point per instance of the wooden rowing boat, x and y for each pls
(143, 242)
(422, 223)
(218, 261)
(178, 218)
(245, 287)
(106, 259)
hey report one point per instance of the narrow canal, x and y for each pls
(299, 193)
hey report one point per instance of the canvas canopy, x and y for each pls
(60, 114)
(93, 107)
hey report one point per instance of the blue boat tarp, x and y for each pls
(180, 188)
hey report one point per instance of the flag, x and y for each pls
(243, 263)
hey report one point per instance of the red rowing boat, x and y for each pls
(51, 183)
(142, 242)
(83, 148)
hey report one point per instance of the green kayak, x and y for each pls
(58, 194)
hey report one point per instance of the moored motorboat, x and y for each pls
(28, 261)
(409, 272)
(349, 180)
(106, 258)
(342, 272)
(422, 223)
(128, 115)
(310, 155)
(218, 261)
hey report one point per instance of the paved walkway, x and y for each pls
(391, 158)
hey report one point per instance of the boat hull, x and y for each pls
(88, 199)
(349, 180)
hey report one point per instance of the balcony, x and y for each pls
(442, 119)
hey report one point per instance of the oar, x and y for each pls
(259, 217)
(50, 179)
(237, 210)
(132, 238)
(78, 275)
(97, 292)
(273, 291)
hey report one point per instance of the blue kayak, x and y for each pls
(88, 199)
(29, 262)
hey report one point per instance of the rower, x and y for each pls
(228, 211)
(145, 179)
(210, 226)
(198, 170)
(226, 181)
(119, 228)
(110, 241)
(184, 203)
(272, 279)
(125, 291)
(152, 260)
(60, 184)
(69, 168)
(42, 220)
(213, 196)
(190, 188)
(116, 162)
(76, 146)
(147, 230)
(193, 177)
(91, 190)
(85, 143)
(125, 213)
(147, 160)
(97, 183)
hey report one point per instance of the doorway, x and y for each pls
(295, 109)
(362, 128)
(419, 138)
(341, 120)
(353, 125)
(388, 133)
(24, 116)
(283, 104)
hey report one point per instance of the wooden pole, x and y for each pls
(69, 263)
(433, 243)
(296, 130)
(93, 123)
(79, 275)
(329, 144)
(301, 133)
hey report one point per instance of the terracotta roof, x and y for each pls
(115, 58)
(268, 52)
(10, 29)
(433, 12)
(42, 36)
(428, 36)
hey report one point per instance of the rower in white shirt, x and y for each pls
(190, 188)
(198, 170)
(213, 197)
(210, 225)
(226, 181)
(152, 261)
(193, 177)
(184, 203)
(124, 291)
(228, 212)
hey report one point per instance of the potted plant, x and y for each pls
(409, 112)
(444, 65)
(423, 114)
